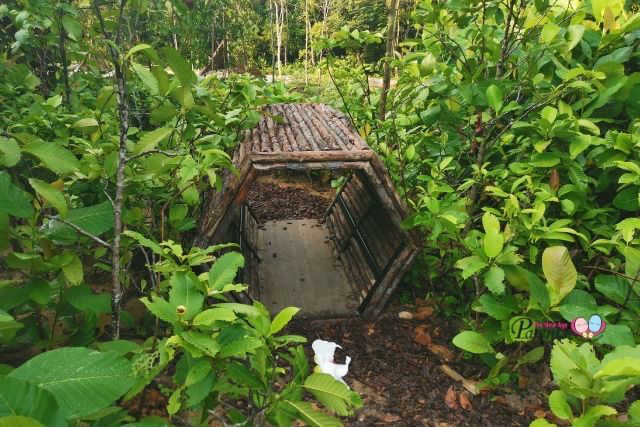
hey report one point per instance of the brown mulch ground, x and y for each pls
(271, 200)
(401, 381)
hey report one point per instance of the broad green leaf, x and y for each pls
(578, 303)
(242, 375)
(51, 194)
(549, 113)
(314, 417)
(73, 271)
(203, 342)
(83, 381)
(497, 309)
(545, 160)
(82, 298)
(578, 144)
(19, 397)
(161, 308)
(559, 271)
(239, 348)
(549, 32)
(473, 342)
(137, 48)
(180, 67)
(613, 287)
(567, 357)
(575, 33)
(150, 140)
(106, 97)
(598, 8)
(89, 122)
(627, 228)
(494, 97)
(332, 393)
(559, 405)
(493, 244)
(411, 152)
(121, 347)
(9, 152)
(632, 261)
(627, 199)
(72, 27)
(53, 156)
(184, 96)
(494, 280)
(210, 316)
(4, 231)
(249, 310)
(184, 293)
(490, 223)
(623, 366)
(224, 271)
(470, 265)
(634, 411)
(147, 77)
(14, 200)
(282, 319)
(532, 356)
(8, 327)
(19, 421)
(96, 219)
(617, 335)
(592, 415)
(198, 371)
(541, 422)
(148, 243)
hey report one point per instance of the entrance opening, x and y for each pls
(295, 262)
(314, 245)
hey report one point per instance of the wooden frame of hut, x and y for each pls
(364, 218)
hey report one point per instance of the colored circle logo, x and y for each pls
(588, 328)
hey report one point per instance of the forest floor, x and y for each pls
(397, 367)
(397, 364)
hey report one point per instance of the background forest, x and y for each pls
(511, 129)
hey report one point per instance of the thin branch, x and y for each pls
(146, 153)
(81, 231)
(606, 270)
(346, 107)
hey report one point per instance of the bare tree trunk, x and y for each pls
(173, 23)
(225, 52)
(123, 113)
(273, 51)
(285, 19)
(213, 41)
(391, 33)
(306, 42)
(278, 10)
(63, 56)
(326, 6)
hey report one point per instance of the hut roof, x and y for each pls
(297, 128)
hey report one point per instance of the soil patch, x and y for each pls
(403, 384)
(272, 199)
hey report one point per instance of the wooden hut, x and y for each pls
(362, 222)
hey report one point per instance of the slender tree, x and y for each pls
(391, 34)
(118, 203)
